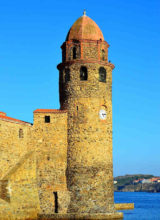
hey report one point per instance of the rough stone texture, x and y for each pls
(11, 146)
(50, 141)
(90, 51)
(33, 167)
(124, 206)
(89, 157)
(87, 216)
(85, 49)
(21, 190)
(63, 162)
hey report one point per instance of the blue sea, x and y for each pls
(147, 205)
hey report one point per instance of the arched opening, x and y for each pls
(74, 53)
(83, 73)
(102, 74)
(67, 75)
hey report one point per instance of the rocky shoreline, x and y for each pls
(127, 184)
(145, 187)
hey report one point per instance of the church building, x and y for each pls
(61, 167)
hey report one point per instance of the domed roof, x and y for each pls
(84, 28)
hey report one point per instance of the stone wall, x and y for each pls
(21, 189)
(50, 142)
(90, 51)
(85, 49)
(33, 166)
(12, 146)
(18, 188)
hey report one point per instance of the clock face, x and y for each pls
(102, 114)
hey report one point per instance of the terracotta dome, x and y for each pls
(84, 28)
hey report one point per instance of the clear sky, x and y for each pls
(31, 33)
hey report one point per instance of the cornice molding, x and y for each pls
(68, 63)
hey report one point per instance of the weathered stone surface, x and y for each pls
(124, 206)
(89, 156)
(63, 162)
(87, 216)
(50, 142)
(33, 166)
(11, 146)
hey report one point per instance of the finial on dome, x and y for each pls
(84, 12)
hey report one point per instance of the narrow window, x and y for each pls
(5, 192)
(77, 108)
(20, 133)
(83, 73)
(74, 53)
(47, 119)
(103, 54)
(102, 74)
(56, 201)
(67, 75)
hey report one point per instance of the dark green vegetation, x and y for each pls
(126, 184)
(128, 179)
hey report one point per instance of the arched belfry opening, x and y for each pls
(83, 73)
(103, 54)
(74, 53)
(102, 74)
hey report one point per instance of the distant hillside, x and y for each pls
(137, 183)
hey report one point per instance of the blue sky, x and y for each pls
(31, 33)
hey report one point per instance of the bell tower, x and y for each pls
(85, 84)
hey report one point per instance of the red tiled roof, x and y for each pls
(85, 28)
(6, 118)
(49, 111)
(3, 113)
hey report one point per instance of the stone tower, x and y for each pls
(85, 83)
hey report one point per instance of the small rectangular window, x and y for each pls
(83, 73)
(20, 133)
(47, 119)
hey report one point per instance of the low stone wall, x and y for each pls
(124, 206)
(87, 216)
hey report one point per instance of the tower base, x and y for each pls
(86, 216)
